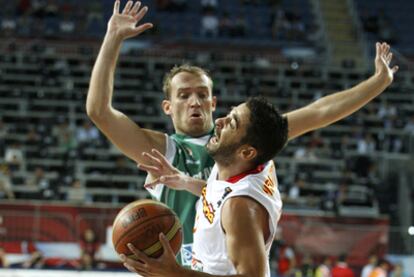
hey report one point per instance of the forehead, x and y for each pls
(242, 112)
(187, 80)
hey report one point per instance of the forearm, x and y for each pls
(339, 105)
(99, 97)
(193, 185)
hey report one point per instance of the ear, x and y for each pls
(214, 103)
(248, 152)
(166, 106)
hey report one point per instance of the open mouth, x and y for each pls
(195, 115)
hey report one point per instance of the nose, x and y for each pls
(195, 100)
(220, 122)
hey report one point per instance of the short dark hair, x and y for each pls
(267, 130)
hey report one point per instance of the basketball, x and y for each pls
(140, 223)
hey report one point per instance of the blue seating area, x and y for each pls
(398, 14)
(175, 24)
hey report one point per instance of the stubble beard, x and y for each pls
(224, 155)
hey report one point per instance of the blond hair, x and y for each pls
(198, 71)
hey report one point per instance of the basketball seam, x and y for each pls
(170, 234)
(133, 229)
(133, 205)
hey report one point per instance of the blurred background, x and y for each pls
(347, 189)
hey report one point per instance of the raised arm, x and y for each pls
(117, 127)
(332, 108)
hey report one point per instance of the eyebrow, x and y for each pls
(187, 88)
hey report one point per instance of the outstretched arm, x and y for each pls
(332, 108)
(122, 131)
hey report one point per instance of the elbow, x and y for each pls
(95, 113)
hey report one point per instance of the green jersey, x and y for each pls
(188, 155)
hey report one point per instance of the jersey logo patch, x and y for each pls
(186, 254)
(208, 209)
(196, 264)
(227, 190)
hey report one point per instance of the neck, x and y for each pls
(225, 172)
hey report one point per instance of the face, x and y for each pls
(191, 104)
(230, 130)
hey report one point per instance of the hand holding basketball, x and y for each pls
(140, 224)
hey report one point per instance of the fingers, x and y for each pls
(141, 14)
(388, 58)
(138, 254)
(149, 168)
(131, 264)
(116, 7)
(135, 8)
(152, 158)
(160, 157)
(394, 69)
(127, 7)
(152, 184)
(166, 245)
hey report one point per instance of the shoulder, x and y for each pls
(238, 209)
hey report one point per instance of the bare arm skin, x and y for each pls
(332, 108)
(117, 127)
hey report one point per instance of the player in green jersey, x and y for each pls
(190, 103)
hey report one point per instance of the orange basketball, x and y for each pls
(141, 222)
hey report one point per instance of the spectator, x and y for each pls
(208, 5)
(14, 156)
(398, 271)
(77, 193)
(324, 269)
(177, 5)
(66, 25)
(307, 267)
(87, 134)
(239, 27)
(6, 190)
(64, 134)
(41, 184)
(8, 25)
(95, 14)
(225, 25)
(86, 262)
(3, 132)
(209, 25)
(366, 145)
(381, 270)
(369, 267)
(36, 261)
(408, 128)
(89, 244)
(341, 269)
(4, 263)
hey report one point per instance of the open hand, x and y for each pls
(162, 172)
(383, 60)
(124, 25)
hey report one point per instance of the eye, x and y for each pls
(183, 95)
(233, 124)
(203, 95)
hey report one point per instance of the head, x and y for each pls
(253, 131)
(189, 100)
(373, 259)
